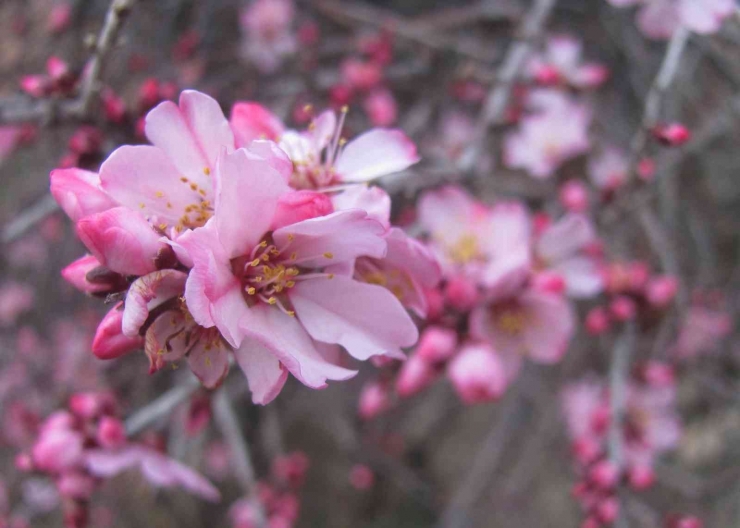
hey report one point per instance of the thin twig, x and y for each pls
(228, 422)
(15, 109)
(498, 98)
(28, 218)
(160, 407)
(618, 376)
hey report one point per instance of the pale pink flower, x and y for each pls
(321, 158)
(374, 400)
(491, 246)
(78, 192)
(381, 107)
(546, 139)
(533, 324)
(560, 249)
(477, 374)
(157, 468)
(271, 294)
(415, 375)
(562, 62)
(658, 19)
(609, 169)
(702, 330)
(268, 34)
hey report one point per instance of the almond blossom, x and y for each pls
(556, 132)
(561, 62)
(268, 36)
(279, 296)
(658, 19)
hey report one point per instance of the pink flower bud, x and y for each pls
(638, 275)
(436, 344)
(76, 485)
(374, 400)
(340, 95)
(477, 374)
(109, 341)
(34, 85)
(573, 196)
(435, 303)
(590, 522)
(381, 108)
(597, 321)
(361, 75)
(585, 450)
(121, 239)
(646, 169)
(57, 450)
(60, 17)
(113, 106)
(76, 275)
(660, 291)
(361, 477)
(641, 477)
(297, 206)
(540, 222)
(461, 293)
(86, 140)
(672, 134)
(623, 308)
(547, 75)
(56, 68)
(604, 475)
(23, 462)
(658, 374)
(149, 94)
(291, 468)
(415, 375)
(90, 405)
(309, 33)
(78, 193)
(111, 433)
(199, 414)
(607, 510)
(549, 282)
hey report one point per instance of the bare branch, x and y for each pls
(228, 422)
(28, 218)
(160, 407)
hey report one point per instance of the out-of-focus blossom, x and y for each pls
(15, 299)
(268, 35)
(701, 331)
(361, 477)
(545, 139)
(659, 19)
(562, 63)
(608, 169)
(477, 374)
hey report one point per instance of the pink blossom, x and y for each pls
(9, 138)
(437, 344)
(549, 137)
(416, 374)
(15, 299)
(532, 324)
(573, 195)
(318, 160)
(381, 107)
(701, 331)
(284, 293)
(477, 374)
(489, 245)
(658, 19)
(268, 36)
(361, 477)
(374, 400)
(560, 248)
(88, 275)
(562, 61)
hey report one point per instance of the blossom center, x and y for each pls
(509, 319)
(465, 250)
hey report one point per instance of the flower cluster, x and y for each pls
(241, 239)
(650, 426)
(81, 446)
(505, 295)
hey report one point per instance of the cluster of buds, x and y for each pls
(59, 80)
(632, 290)
(278, 495)
(650, 426)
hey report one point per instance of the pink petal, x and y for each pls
(252, 121)
(373, 200)
(264, 373)
(243, 176)
(582, 275)
(270, 330)
(109, 341)
(143, 178)
(78, 193)
(705, 16)
(76, 274)
(550, 322)
(297, 206)
(209, 362)
(367, 320)
(331, 239)
(564, 238)
(658, 19)
(207, 123)
(121, 239)
(148, 292)
(376, 153)
(322, 130)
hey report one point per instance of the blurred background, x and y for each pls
(443, 58)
